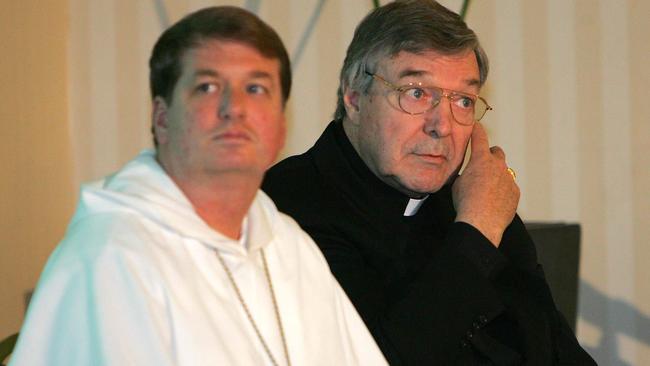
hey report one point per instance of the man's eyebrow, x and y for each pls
(418, 73)
(205, 72)
(473, 82)
(411, 72)
(260, 74)
(213, 73)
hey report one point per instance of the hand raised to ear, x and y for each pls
(486, 195)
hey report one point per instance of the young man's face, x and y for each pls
(416, 154)
(226, 114)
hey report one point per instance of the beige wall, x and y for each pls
(36, 185)
(568, 83)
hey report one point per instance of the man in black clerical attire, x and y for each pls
(438, 264)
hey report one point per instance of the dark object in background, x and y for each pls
(558, 251)
(6, 347)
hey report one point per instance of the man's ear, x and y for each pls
(351, 101)
(160, 123)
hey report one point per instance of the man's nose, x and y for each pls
(439, 120)
(232, 104)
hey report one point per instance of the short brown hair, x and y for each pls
(219, 22)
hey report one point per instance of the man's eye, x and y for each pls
(256, 89)
(207, 88)
(465, 102)
(416, 93)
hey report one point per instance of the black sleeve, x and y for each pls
(477, 249)
(459, 302)
(517, 245)
(446, 303)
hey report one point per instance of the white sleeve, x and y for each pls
(363, 350)
(360, 346)
(95, 304)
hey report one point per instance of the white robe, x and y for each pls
(136, 281)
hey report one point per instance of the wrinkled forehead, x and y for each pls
(458, 71)
(425, 53)
(430, 58)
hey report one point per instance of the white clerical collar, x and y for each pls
(243, 237)
(414, 205)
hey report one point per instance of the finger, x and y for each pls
(498, 152)
(479, 139)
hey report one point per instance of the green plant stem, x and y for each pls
(7, 346)
(463, 10)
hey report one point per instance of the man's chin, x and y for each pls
(419, 189)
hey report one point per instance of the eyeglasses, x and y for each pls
(414, 98)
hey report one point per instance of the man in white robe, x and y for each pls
(179, 258)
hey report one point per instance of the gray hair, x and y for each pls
(413, 26)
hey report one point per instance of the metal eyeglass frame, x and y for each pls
(446, 93)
